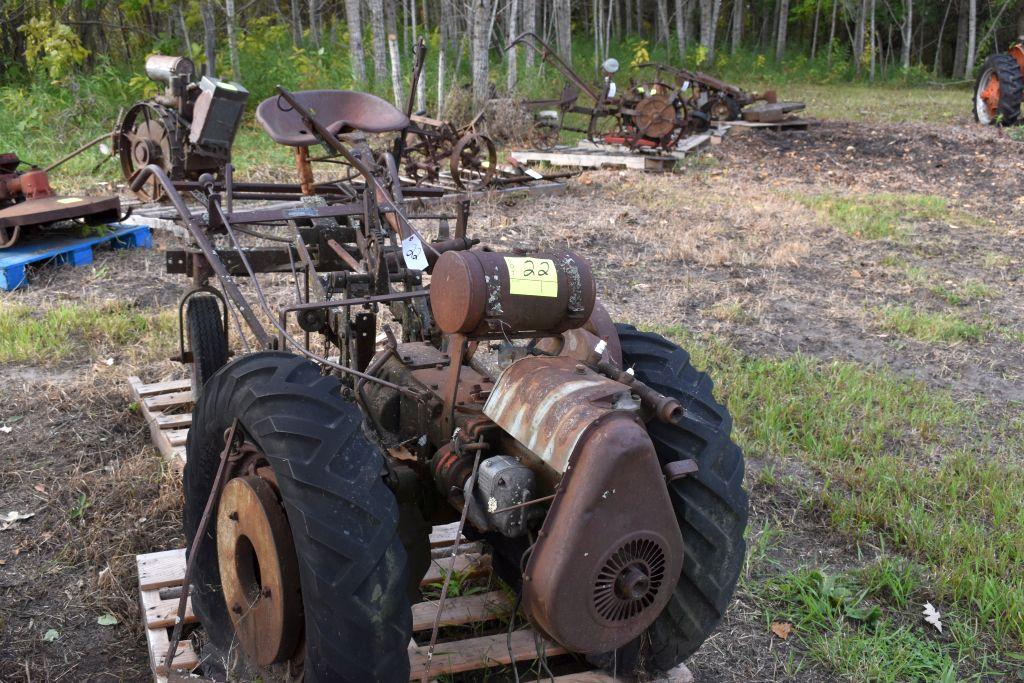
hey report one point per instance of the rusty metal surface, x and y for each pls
(340, 111)
(50, 209)
(771, 113)
(610, 550)
(488, 293)
(258, 570)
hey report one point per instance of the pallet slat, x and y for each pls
(164, 613)
(167, 430)
(462, 610)
(468, 565)
(159, 570)
(477, 653)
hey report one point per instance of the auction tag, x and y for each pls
(412, 252)
(531, 276)
(69, 200)
(533, 174)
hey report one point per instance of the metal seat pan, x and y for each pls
(341, 111)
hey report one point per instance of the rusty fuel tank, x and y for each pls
(610, 551)
(479, 293)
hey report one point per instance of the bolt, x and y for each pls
(266, 592)
(580, 369)
(233, 516)
(237, 609)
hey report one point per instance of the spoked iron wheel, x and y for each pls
(420, 158)
(473, 161)
(145, 136)
(999, 91)
(302, 568)
(545, 133)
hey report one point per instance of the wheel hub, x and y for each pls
(990, 95)
(258, 570)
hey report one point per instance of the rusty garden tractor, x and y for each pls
(590, 457)
(999, 90)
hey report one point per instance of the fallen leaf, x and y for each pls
(107, 619)
(782, 629)
(3, 562)
(6, 430)
(856, 273)
(40, 488)
(51, 635)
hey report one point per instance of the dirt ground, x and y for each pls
(735, 244)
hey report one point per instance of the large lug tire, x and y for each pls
(1005, 73)
(342, 516)
(204, 325)
(711, 506)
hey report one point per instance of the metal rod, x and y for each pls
(91, 143)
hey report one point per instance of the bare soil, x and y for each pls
(726, 245)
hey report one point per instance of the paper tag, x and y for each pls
(531, 276)
(611, 89)
(69, 200)
(412, 252)
(533, 174)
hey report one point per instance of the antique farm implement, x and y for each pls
(999, 90)
(187, 130)
(27, 200)
(411, 378)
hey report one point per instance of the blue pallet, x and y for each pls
(65, 249)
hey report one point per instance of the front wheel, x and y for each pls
(998, 91)
(207, 340)
(302, 565)
(710, 506)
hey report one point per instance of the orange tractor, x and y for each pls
(1000, 88)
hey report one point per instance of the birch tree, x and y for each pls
(209, 36)
(529, 25)
(513, 17)
(972, 32)
(780, 39)
(682, 8)
(229, 11)
(563, 29)
(480, 43)
(355, 40)
(737, 25)
(296, 22)
(380, 58)
(907, 32)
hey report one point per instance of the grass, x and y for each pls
(877, 216)
(928, 326)
(64, 331)
(902, 466)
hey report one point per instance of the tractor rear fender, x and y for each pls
(609, 552)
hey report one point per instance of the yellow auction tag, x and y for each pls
(531, 276)
(68, 200)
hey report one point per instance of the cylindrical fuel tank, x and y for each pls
(482, 292)
(161, 68)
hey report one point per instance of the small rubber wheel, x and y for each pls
(204, 325)
(998, 91)
(341, 517)
(711, 506)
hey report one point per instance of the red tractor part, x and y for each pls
(999, 89)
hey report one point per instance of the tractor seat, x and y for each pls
(340, 111)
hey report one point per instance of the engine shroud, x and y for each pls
(610, 550)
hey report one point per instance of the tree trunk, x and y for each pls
(296, 20)
(663, 31)
(380, 59)
(972, 31)
(832, 30)
(858, 39)
(874, 42)
(229, 10)
(355, 41)
(529, 25)
(421, 84)
(209, 36)
(184, 33)
(907, 32)
(314, 26)
(960, 51)
(707, 38)
(481, 39)
(682, 6)
(396, 71)
(511, 73)
(563, 29)
(780, 39)
(814, 36)
(737, 25)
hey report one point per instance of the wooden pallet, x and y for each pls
(166, 407)
(583, 157)
(76, 251)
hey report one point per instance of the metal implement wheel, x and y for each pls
(307, 485)
(148, 135)
(9, 236)
(711, 505)
(207, 340)
(473, 161)
(998, 91)
(655, 116)
(722, 108)
(419, 159)
(545, 133)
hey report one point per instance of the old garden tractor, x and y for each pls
(417, 381)
(999, 89)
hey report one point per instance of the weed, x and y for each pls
(928, 326)
(877, 216)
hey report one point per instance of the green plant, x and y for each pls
(52, 47)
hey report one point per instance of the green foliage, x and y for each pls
(52, 47)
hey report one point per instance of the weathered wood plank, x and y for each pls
(477, 653)
(163, 613)
(158, 570)
(462, 610)
(470, 564)
(170, 400)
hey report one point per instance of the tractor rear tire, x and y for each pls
(204, 325)
(711, 505)
(1007, 72)
(342, 516)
